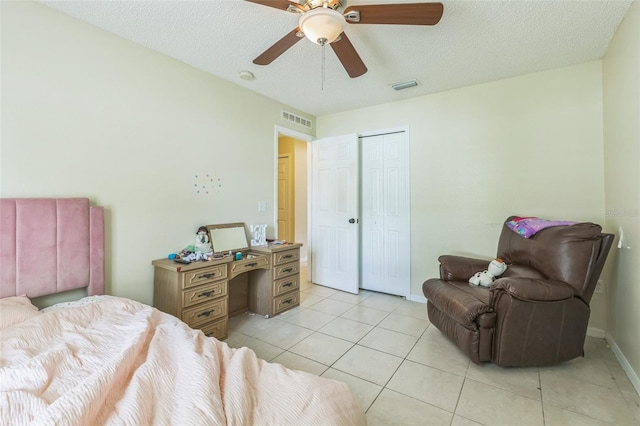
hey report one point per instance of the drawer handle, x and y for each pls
(250, 265)
(289, 284)
(207, 276)
(206, 313)
(286, 302)
(205, 294)
(289, 256)
(287, 270)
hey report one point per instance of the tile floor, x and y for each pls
(404, 372)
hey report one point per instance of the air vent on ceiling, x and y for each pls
(289, 116)
(405, 84)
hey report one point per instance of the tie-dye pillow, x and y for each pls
(528, 226)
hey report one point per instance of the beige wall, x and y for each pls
(621, 82)
(530, 145)
(86, 113)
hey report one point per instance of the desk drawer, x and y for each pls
(204, 293)
(205, 313)
(203, 276)
(286, 256)
(241, 266)
(217, 329)
(286, 301)
(287, 269)
(286, 284)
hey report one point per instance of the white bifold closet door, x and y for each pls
(385, 218)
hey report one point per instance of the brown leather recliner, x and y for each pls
(534, 314)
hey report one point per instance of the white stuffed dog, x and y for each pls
(486, 277)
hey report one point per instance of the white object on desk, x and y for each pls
(259, 234)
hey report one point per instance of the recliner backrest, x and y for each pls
(573, 254)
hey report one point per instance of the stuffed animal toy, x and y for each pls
(202, 240)
(197, 255)
(486, 277)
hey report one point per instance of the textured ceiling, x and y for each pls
(475, 42)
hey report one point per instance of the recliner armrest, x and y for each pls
(532, 289)
(458, 268)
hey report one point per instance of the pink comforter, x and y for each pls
(117, 361)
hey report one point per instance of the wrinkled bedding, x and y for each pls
(117, 361)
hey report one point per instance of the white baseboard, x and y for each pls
(632, 375)
(417, 298)
(596, 332)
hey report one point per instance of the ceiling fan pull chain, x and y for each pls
(324, 45)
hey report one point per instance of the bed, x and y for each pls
(110, 360)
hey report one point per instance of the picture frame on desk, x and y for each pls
(259, 233)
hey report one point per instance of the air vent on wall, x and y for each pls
(288, 116)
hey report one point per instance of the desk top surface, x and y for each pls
(274, 248)
(183, 267)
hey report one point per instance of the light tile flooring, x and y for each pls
(404, 372)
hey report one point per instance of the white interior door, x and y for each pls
(386, 243)
(335, 235)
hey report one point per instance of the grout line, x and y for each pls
(464, 380)
(544, 420)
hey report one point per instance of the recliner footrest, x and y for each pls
(459, 300)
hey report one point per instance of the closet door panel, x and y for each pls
(385, 214)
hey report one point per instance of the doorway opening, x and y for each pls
(291, 187)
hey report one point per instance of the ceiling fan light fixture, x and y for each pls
(322, 25)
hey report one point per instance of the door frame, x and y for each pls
(284, 131)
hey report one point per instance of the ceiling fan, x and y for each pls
(322, 22)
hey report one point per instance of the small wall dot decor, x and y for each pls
(207, 184)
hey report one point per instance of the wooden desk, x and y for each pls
(204, 294)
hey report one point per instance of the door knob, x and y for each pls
(352, 220)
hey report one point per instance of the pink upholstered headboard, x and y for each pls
(50, 245)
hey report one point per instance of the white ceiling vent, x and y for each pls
(289, 116)
(405, 84)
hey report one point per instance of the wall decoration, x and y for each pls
(207, 184)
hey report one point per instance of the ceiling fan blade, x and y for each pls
(278, 48)
(347, 54)
(278, 4)
(399, 14)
